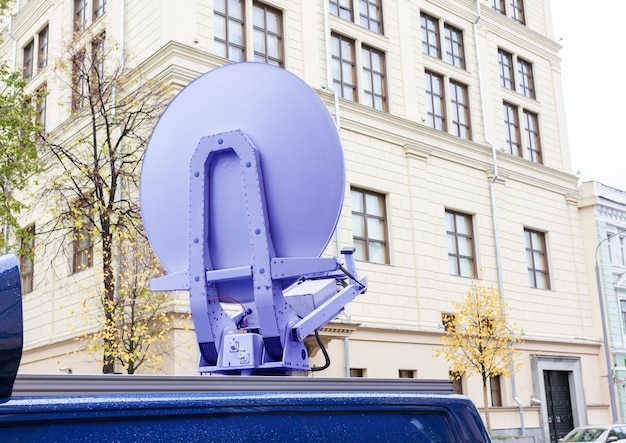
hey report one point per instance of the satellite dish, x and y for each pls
(300, 154)
(241, 189)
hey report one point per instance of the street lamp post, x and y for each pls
(605, 335)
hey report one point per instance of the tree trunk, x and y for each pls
(486, 406)
(108, 360)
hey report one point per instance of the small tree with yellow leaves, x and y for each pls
(139, 320)
(479, 338)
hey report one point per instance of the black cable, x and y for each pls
(326, 357)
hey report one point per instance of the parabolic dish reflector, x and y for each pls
(300, 155)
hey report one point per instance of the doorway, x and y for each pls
(558, 403)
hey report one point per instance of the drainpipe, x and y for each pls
(494, 215)
(346, 345)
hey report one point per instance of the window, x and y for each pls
(495, 386)
(457, 382)
(357, 372)
(453, 38)
(29, 50)
(430, 35)
(511, 130)
(42, 53)
(617, 248)
(374, 78)
(505, 60)
(27, 259)
(82, 256)
(407, 373)
(454, 46)
(80, 15)
(344, 66)
(341, 8)
(369, 12)
(459, 110)
(99, 8)
(437, 116)
(531, 129)
(517, 11)
(537, 258)
(448, 320)
(622, 308)
(525, 76)
(79, 81)
(435, 101)
(231, 29)
(369, 226)
(41, 96)
(374, 93)
(498, 5)
(228, 24)
(268, 39)
(461, 258)
(371, 15)
(98, 56)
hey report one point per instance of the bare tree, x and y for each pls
(93, 164)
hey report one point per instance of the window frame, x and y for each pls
(41, 105)
(507, 72)
(80, 15)
(495, 390)
(336, 7)
(407, 373)
(499, 6)
(340, 84)
(99, 8)
(454, 46)
(265, 57)
(28, 60)
(80, 88)
(532, 136)
(431, 42)
(375, 78)
(460, 120)
(229, 19)
(512, 127)
(517, 11)
(511, 8)
(617, 247)
(435, 116)
(531, 251)
(526, 81)
(43, 40)
(365, 216)
(358, 372)
(455, 235)
(82, 238)
(372, 21)
(27, 260)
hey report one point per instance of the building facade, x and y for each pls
(603, 214)
(451, 118)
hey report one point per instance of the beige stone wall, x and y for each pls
(421, 172)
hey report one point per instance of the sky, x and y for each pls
(594, 85)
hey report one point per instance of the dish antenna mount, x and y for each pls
(241, 189)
